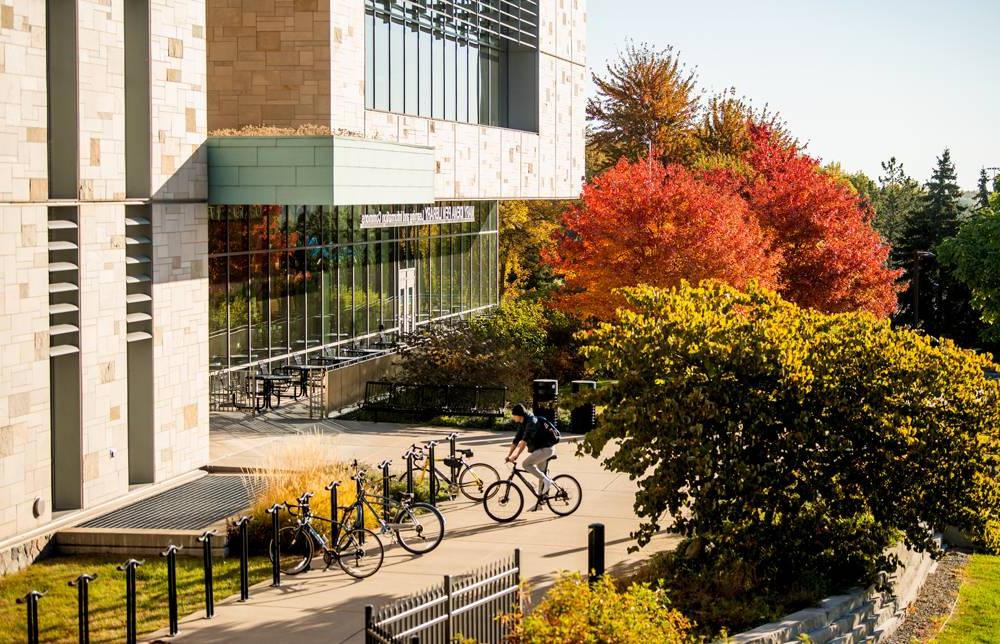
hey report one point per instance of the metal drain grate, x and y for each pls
(191, 506)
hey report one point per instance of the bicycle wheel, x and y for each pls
(420, 528)
(475, 478)
(503, 501)
(296, 550)
(360, 553)
(565, 498)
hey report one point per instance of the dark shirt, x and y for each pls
(529, 432)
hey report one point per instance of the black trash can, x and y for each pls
(545, 400)
(583, 418)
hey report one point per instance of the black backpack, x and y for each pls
(548, 434)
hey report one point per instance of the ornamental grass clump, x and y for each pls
(793, 445)
(575, 612)
(288, 468)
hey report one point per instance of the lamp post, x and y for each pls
(915, 285)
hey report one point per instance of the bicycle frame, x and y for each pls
(516, 471)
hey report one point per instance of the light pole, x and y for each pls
(915, 284)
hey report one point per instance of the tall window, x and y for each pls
(446, 59)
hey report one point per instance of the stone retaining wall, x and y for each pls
(24, 554)
(861, 615)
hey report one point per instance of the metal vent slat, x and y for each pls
(191, 506)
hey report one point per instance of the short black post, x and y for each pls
(334, 509)
(82, 585)
(369, 621)
(171, 554)
(385, 489)
(595, 552)
(130, 626)
(409, 471)
(454, 470)
(206, 551)
(244, 558)
(31, 599)
(432, 472)
(274, 511)
(359, 493)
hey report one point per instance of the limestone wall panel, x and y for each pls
(103, 352)
(490, 164)
(178, 100)
(24, 368)
(510, 164)
(23, 115)
(441, 135)
(180, 337)
(348, 65)
(467, 161)
(529, 165)
(564, 127)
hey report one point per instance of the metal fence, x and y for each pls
(469, 605)
(434, 400)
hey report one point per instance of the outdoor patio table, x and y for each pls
(269, 379)
(304, 370)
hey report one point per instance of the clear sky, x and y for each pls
(858, 80)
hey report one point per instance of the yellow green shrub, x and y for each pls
(798, 443)
(574, 612)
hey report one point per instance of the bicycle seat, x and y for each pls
(467, 452)
(552, 458)
(452, 462)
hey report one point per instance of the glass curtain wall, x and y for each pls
(444, 60)
(284, 280)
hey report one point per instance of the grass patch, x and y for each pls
(57, 610)
(976, 615)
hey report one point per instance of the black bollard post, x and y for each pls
(385, 489)
(171, 554)
(206, 551)
(452, 437)
(130, 626)
(31, 599)
(359, 516)
(274, 511)
(595, 552)
(334, 509)
(82, 585)
(432, 472)
(244, 558)
(409, 470)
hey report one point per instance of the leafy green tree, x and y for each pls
(934, 300)
(526, 232)
(972, 254)
(645, 99)
(790, 444)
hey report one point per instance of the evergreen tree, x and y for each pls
(983, 194)
(897, 198)
(934, 300)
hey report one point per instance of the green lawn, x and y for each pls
(977, 616)
(57, 610)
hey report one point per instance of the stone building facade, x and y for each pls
(105, 207)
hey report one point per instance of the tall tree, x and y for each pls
(643, 223)
(934, 300)
(896, 200)
(983, 194)
(723, 131)
(645, 99)
(971, 254)
(830, 257)
(526, 232)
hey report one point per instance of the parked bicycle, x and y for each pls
(469, 479)
(357, 550)
(418, 527)
(504, 501)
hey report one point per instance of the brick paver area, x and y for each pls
(329, 606)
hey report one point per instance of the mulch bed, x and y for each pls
(937, 598)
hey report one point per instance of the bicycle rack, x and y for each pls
(206, 549)
(244, 558)
(432, 472)
(82, 585)
(130, 626)
(384, 466)
(334, 509)
(171, 554)
(274, 511)
(454, 470)
(409, 470)
(31, 599)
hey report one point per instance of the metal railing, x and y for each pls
(471, 605)
(434, 400)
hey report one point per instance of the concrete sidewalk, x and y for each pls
(329, 606)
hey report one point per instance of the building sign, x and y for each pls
(423, 217)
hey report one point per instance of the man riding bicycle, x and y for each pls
(535, 435)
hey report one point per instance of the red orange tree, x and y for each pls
(643, 223)
(778, 220)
